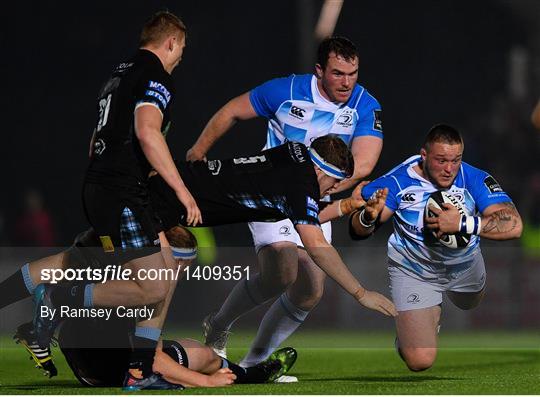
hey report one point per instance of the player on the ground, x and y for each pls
(298, 108)
(97, 351)
(421, 268)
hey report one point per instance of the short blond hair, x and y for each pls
(160, 26)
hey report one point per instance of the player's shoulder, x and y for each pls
(294, 152)
(471, 174)
(400, 177)
(361, 98)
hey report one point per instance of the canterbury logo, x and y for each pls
(409, 197)
(297, 112)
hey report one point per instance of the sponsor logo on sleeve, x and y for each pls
(295, 150)
(312, 207)
(158, 96)
(154, 85)
(492, 185)
(377, 120)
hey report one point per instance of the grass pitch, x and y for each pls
(341, 363)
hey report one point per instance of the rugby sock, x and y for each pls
(16, 287)
(244, 297)
(245, 375)
(279, 322)
(70, 294)
(88, 297)
(145, 342)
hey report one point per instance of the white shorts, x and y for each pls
(266, 233)
(410, 292)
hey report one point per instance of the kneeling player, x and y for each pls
(422, 268)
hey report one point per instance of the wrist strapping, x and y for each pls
(363, 221)
(339, 211)
(470, 224)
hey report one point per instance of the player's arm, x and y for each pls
(535, 116)
(148, 121)
(92, 140)
(344, 206)
(499, 221)
(364, 221)
(178, 374)
(239, 108)
(366, 151)
(327, 258)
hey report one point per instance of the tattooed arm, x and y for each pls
(501, 222)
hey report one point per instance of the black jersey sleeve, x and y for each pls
(154, 88)
(303, 207)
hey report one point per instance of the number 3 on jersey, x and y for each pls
(104, 108)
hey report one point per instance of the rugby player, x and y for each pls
(128, 141)
(420, 267)
(97, 352)
(298, 108)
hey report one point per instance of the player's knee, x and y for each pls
(308, 298)
(419, 359)
(155, 291)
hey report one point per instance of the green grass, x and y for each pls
(343, 363)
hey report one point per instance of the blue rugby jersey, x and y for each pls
(296, 111)
(415, 248)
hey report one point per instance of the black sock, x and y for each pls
(247, 375)
(142, 355)
(69, 294)
(13, 289)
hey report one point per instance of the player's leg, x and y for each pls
(467, 291)
(203, 359)
(288, 312)
(148, 331)
(417, 336)
(291, 309)
(418, 304)
(278, 263)
(23, 282)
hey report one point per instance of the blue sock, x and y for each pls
(30, 286)
(89, 295)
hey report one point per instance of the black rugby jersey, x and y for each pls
(117, 157)
(271, 185)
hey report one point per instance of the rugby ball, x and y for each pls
(436, 199)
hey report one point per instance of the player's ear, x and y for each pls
(423, 154)
(319, 71)
(170, 43)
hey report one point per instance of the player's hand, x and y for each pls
(445, 221)
(356, 195)
(222, 377)
(194, 216)
(375, 301)
(375, 205)
(195, 154)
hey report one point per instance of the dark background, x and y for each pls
(425, 61)
(473, 64)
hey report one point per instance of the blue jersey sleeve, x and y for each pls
(392, 201)
(369, 117)
(484, 189)
(268, 97)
